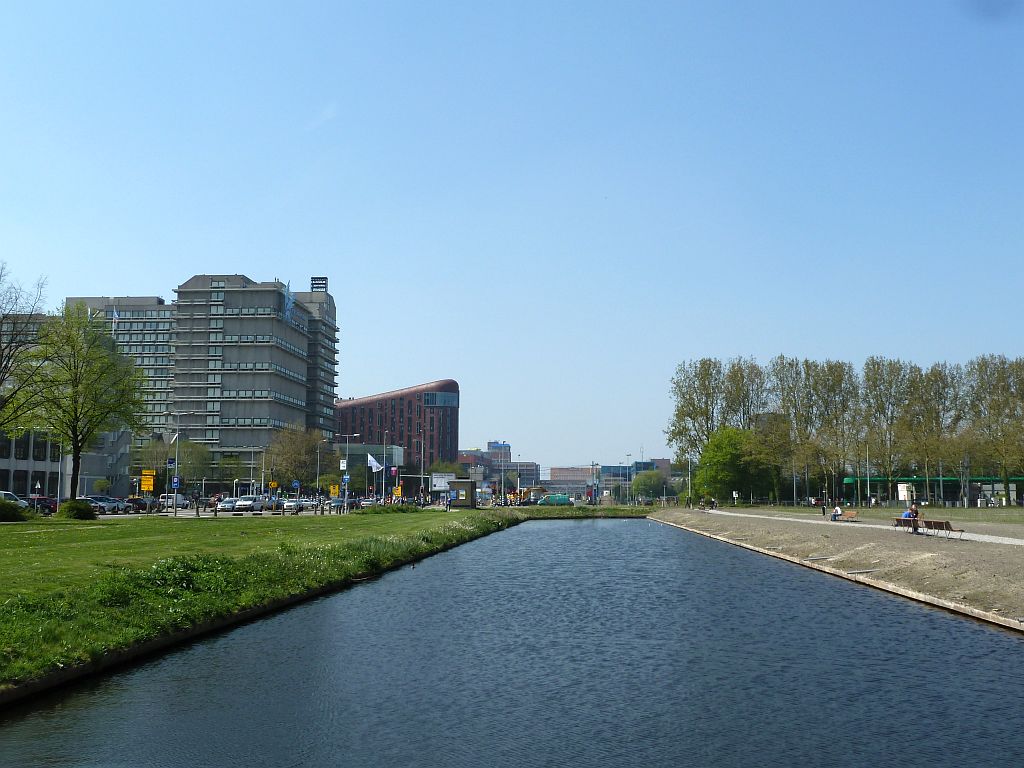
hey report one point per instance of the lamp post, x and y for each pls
(318, 444)
(384, 472)
(628, 478)
(345, 507)
(501, 464)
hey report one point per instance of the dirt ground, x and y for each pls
(981, 575)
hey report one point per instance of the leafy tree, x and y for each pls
(649, 484)
(997, 410)
(100, 485)
(193, 461)
(292, 454)
(725, 466)
(745, 394)
(230, 468)
(82, 385)
(698, 390)
(885, 401)
(20, 316)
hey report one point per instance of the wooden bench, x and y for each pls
(942, 525)
(906, 522)
(850, 515)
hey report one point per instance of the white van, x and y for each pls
(168, 500)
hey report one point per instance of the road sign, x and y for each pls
(335, 489)
(149, 473)
(175, 481)
(345, 479)
(397, 491)
(295, 484)
(147, 483)
(343, 465)
(170, 462)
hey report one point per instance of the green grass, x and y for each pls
(46, 555)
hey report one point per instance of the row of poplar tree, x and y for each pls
(828, 420)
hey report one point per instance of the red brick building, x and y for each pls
(429, 412)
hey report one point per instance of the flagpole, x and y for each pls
(384, 472)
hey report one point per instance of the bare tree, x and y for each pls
(20, 315)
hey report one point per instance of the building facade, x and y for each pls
(424, 420)
(231, 360)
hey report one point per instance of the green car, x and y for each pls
(555, 500)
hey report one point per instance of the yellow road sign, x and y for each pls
(147, 483)
(149, 473)
(272, 483)
(335, 490)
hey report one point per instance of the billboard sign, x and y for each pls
(439, 480)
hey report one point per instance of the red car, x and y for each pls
(44, 505)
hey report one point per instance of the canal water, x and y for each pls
(562, 643)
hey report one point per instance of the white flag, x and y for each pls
(372, 463)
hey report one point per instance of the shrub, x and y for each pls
(76, 509)
(11, 512)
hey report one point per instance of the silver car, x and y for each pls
(227, 504)
(8, 496)
(249, 504)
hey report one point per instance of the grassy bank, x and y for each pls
(75, 592)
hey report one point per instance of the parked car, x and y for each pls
(294, 505)
(139, 503)
(227, 504)
(44, 505)
(105, 504)
(249, 504)
(8, 496)
(169, 500)
(337, 506)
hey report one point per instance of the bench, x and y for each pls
(850, 515)
(906, 522)
(942, 525)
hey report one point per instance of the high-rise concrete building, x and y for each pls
(231, 360)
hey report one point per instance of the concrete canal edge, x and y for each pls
(885, 586)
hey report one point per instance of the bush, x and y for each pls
(76, 509)
(11, 512)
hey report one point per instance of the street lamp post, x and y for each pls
(318, 499)
(628, 478)
(345, 507)
(501, 464)
(384, 472)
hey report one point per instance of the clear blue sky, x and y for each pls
(557, 201)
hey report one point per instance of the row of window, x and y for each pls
(132, 314)
(124, 338)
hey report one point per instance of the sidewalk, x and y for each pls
(864, 524)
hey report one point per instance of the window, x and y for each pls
(212, 434)
(216, 283)
(216, 295)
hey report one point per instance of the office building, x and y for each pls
(424, 420)
(231, 360)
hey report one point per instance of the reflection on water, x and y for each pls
(593, 643)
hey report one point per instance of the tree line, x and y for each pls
(826, 420)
